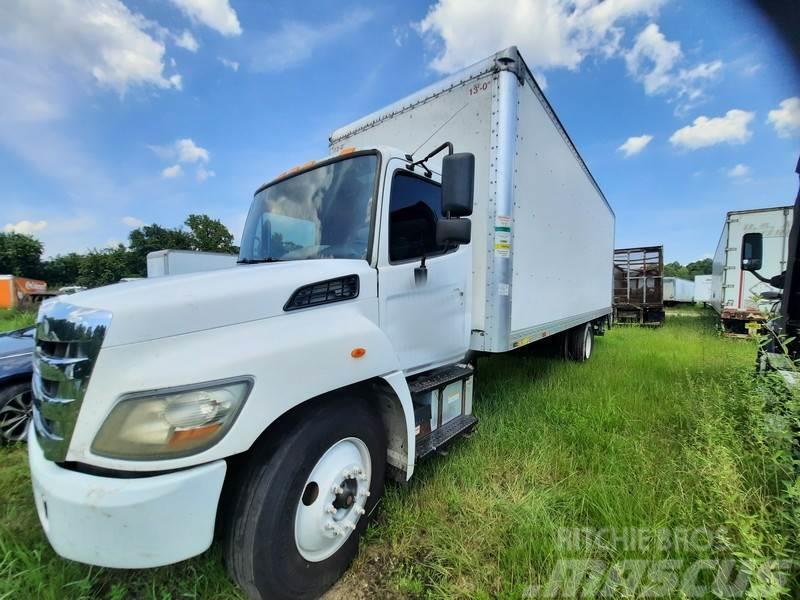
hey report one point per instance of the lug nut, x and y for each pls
(337, 489)
(360, 510)
(330, 509)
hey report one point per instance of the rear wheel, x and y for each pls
(580, 342)
(295, 522)
(16, 404)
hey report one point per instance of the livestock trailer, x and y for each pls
(734, 292)
(638, 285)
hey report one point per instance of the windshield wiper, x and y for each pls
(255, 261)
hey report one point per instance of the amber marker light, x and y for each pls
(358, 352)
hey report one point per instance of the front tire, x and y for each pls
(302, 503)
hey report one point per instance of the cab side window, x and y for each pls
(415, 204)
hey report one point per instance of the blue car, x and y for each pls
(16, 371)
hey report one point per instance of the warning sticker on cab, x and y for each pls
(502, 236)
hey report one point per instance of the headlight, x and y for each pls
(171, 423)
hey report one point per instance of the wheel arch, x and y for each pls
(391, 399)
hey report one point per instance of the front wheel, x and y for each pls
(302, 504)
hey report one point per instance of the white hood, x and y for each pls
(174, 305)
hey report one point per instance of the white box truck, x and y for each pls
(702, 288)
(270, 400)
(734, 291)
(180, 262)
(678, 290)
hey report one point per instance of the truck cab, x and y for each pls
(353, 277)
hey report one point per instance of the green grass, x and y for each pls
(659, 430)
(14, 319)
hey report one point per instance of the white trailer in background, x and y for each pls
(178, 262)
(734, 292)
(702, 288)
(677, 290)
(458, 222)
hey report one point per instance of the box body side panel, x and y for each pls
(563, 230)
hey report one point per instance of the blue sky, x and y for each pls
(125, 112)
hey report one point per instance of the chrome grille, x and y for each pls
(68, 339)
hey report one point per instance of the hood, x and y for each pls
(173, 305)
(17, 342)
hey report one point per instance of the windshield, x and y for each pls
(322, 213)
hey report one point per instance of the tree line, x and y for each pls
(21, 255)
(698, 267)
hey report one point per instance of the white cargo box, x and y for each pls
(733, 289)
(702, 288)
(678, 290)
(178, 262)
(542, 231)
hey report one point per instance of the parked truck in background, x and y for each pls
(702, 288)
(22, 292)
(180, 262)
(735, 291)
(271, 399)
(677, 290)
(638, 285)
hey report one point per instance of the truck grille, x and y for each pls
(68, 339)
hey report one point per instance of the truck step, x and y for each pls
(438, 378)
(435, 440)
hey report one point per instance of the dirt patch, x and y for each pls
(368, 577)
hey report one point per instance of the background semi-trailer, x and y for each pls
(638, 285)
(735, 292)
(677, 290)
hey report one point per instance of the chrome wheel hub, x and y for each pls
(333, 499)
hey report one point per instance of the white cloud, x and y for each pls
(738, 171)
(203, 173)
(653, 60)
(183, 150)
(25, 227)
(190, 152)
(703, 132)
(786, 119)
(550, 33)
(131, 221)
(294, 42)
(187, 41)
(216, 14)
(98, 40)
(231, 64)
(172, 172)
(634, 145)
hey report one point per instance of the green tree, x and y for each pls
(700, 267)
(62, 270)
(20, 255)
(102, 267)
(210, 235)
(151, 238)
(676, 269)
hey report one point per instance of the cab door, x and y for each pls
(426, 321)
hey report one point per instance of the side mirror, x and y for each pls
(453, 231)
(752, 251)
(458, 184)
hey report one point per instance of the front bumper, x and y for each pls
(125, 523)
